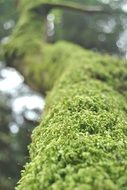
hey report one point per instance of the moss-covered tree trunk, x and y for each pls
(81, 142)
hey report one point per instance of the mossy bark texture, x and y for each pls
(81, 142)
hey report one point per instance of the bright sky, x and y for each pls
(23, 99)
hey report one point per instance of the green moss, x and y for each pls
(82, 140)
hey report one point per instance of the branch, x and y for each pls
(46, 7)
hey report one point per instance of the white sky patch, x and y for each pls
(50, 24)
(5, 40)
(108, 26)
(32, 115)
(124, 7)
(14, 128)
(9, 24)
(11, 79)
(105, 1)
(29, 102)
(122, 42)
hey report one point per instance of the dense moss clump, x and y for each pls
(82, 140)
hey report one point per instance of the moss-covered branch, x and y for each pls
(45, 8)
(82, 140)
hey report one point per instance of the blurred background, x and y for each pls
(20, 106)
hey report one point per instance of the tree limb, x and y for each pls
(46, 7)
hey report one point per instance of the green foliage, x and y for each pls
(81, 142)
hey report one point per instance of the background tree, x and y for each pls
(101, 32)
